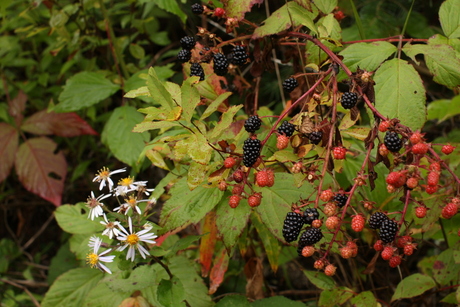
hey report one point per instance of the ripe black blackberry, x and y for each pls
(251, 151)
(315, 137)
(252, 124)
(197, 70)
(287, 128)
(290, 84)
(220, 64)
(187, 42)
(309, 215)
(376, 219)
(388, 230)
(340, 199)
(238, 55)
(293, 223)
(310, 237)
(349, 100)
(184, 55)
(392, 141)
(197, 8)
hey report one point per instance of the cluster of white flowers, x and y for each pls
(130, 191)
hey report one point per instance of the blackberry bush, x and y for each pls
(290, 84)
(293, 223)
(388, 230)
(392, 141)
(376, 219)
(197, 70)
(286, 128)
(220, 64)
(184, 55)
(187, 42)
(197, 8)
(349, 100)
(315, 137)
(251, 151)
(252, 124)
(310, 236)
(238, 56)
(340, 199)
(309, 215)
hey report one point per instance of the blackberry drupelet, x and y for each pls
(184, 55)
(238, 55)
(187, 42)
(349, 100)
(310, 237)
(376, 219)
(251, 151)
(286, 128)
(340, 199)
(293, 223)
(220, 64)
(290, 84)
(197, 8)
(392, 141)
(315, 137)
(252, 124)
(197, 70)
(309, 215)
(388, 230)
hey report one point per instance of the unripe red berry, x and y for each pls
(237, 189)
(383, 150)
(387, 253)
(396, 179)
(420, 148)
(222, 185)
(282, 142)
(234, 201)
(229, 162)
(447, 149)
(319, 264)
(409, 249)
(435, 167)
(395, 261)
(357, 223)
(412, 183)
(297, 167)
(354, 247)
(219, 12)
(433, 178)
(330, 209)
(416, 138)
(449, 210)
(339, 153)
(420, 212)
(238, 176)
(383, 126)
(326, 195)
(330, 270)
(346, 252)
(403, 240)
(332, 222)
(431, 189)
(378, 245)
(255, 199)
(316, 223)
(308, 251)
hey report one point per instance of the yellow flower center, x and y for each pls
(110, 225)
(104, 173)
(92, 259)
(132, 239)
(131, 201)
(126, 181)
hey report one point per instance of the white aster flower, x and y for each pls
(95, 260)
(133, 240)
(127, 185)
(92, 241)
(111, 229)
(130, 202)
(95, 206)
(103, 176)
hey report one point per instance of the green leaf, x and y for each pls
(71, 220)
(364, 299)
(225, 122)
(326, 6)
(140, 278)
(234, 301)
(320, 280)
(334, 297)
(214, 105)
(101, 296)
(79, 244)
(444, 109)
(145, 126)
(8, 252)
(271, 244)
(119, 137)
(451, 298)
(84, 90)
(399, 93)
(171, 292)
(186, 207)
(449, 16)
(199, 149)
(137, 51)
(172, 7)
(276, 301)
(445, 269)
(197, 173)
(63, 261)
(71, 288)
(158, 91)
(190, 98)
(367, 56)
(237, 8)
(413, 285)
(182, 244)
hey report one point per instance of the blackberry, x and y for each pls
(290, 84)
(310, 215)
(388, 230)
(220, 64)
(184, 55)
(187, 42)
(392, 141)
(376, 219)
(310, 237)
(286, 128)
(252, 124)
(340, 199)
(197, 70)
(251, 151)
(315, 137)
(197, 8)
(292, 225)
(238, 55)
(349, 100)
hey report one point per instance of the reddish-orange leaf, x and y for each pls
(208, 242)
(218, 270)
(8, 148)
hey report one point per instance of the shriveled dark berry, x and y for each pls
(376, 219)
(293, 223)
(184, 55)
(286, 128)
(392, 141)
(349, 100)
(315, 137)
(187, 42)
(310, 236)
(197, 8)
(197, 70)
(290, 84)
(309, 215)
(251, 151)
(252, 124)
(388, 230)
(340, 199)
(238, 56)
(220, 64)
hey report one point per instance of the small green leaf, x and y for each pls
(225, 121)
(334, 297)
(413, 285)
(444, 109)
(276, 301)
(445, 269)
(63, 261)
(197, 173)
(182, 244)
(139, 92)
(237, 8)
(326, 6)
(145, 126)
(101, 295)
(190, 98)
(137, 51)
(71, 220)
(141, 277)
(451, 298)
(320, 280)
(172, 7)
(367, 56)
(214, 105)
(271, 244)
(158, 91)
(171, 292)
(449, 16)
(231, 221)
(364, 299)
(8, 252)
(84, 90)
(234, 301)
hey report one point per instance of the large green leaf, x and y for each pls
(445, 269)
(71, 220)
(158, 90)
(449, 16)
(444, 109)
(225, 121)
(364, 299)
(171, 292)
(83, 90)
(140, 278)
(320, 280)
(237, 8)
(271, 244)
(276, 301)
(101, 296)
(367, 56)
(190, 98)
(234, 301)
(399, 93)
(171, 7)
(326, 6)
(334, 297)
(413, 285)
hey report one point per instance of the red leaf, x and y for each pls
(17, 106)
(61, 124)
(40, 170)
(208, 242)
(218, 270)
(8, 148)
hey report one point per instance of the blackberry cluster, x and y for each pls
(290, 84)
(315, 137)
(251, 151)
(376, 220)
(239, 55)
(197, 70)
(184, 55)
(220, 64)
(197, 9)
(187, 42)
(388, 230)
(286, 128)
(349, 100)
(310, 237)
(252, 124)
(392, 141)
(292, 225)
(310, 215)
(340, 199)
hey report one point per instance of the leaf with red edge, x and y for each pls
(40, 170)
(17, 105)
(208, 242)
(218, 270)
(237, 8)
(8, 147)
(60, 124)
